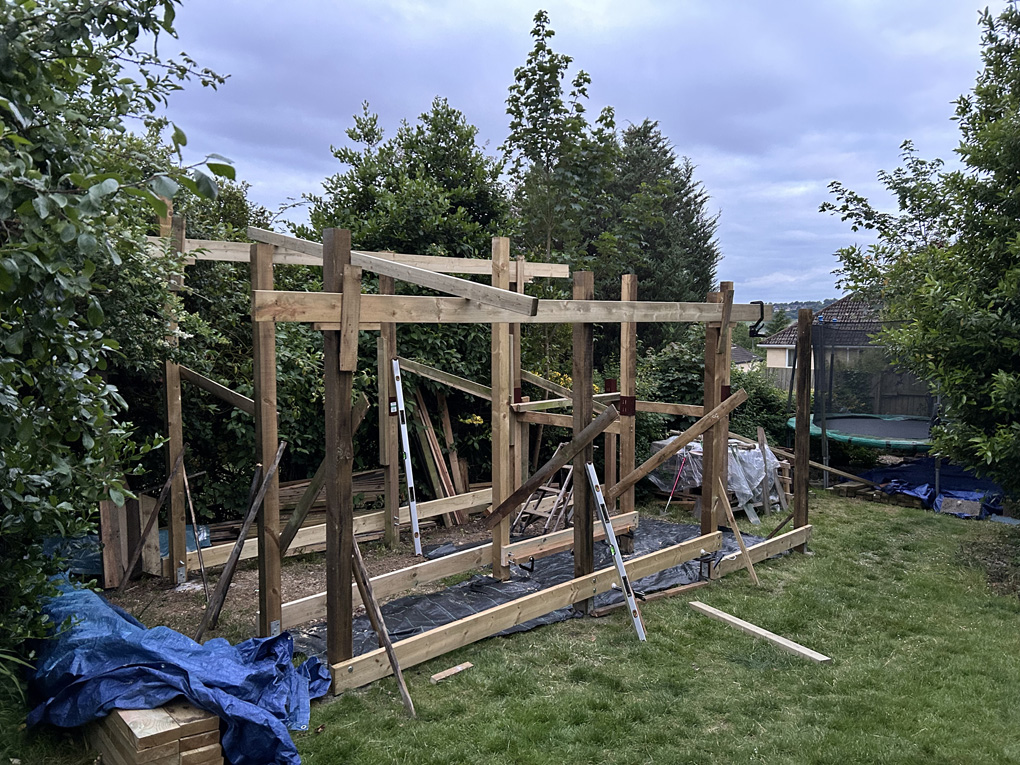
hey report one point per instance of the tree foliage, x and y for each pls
(71, 71)
(946, 266)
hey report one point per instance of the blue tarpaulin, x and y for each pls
(107, 660)
(916, 478)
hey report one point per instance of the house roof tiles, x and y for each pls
(849, 323)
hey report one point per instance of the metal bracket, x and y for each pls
(755, 329)
(628, 406)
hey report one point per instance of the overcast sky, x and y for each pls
(771, 100)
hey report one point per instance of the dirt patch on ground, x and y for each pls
(999, 556)
(155, 601)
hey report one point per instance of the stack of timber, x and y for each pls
(870, 493)
(174, 734)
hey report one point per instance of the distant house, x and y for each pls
(849, 324)
(743, 358)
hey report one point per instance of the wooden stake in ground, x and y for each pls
(724, 497)
(212, 612)
(376, 618)
(137, 552)
(194, 529)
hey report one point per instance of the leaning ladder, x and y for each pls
(607, 524)
(406, 443)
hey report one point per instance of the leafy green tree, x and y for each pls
(71, 72)
(946, 266)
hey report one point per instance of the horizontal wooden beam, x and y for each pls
(558, 541)
(698, 428)
(559, 390)
(221, 392)
(762, 551)
(560, 420)
(683, 410)
(235, 252)
(324, 307)
(386, 585)
(443, 265)
(752, 629)
(559, 403)
(311, 537)
(447, 379)
(371, 666)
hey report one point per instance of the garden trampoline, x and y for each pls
(888, 432)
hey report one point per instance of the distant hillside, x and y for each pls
(792, 307)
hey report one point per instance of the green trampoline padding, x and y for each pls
(894, 432)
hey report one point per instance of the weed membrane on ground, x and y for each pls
(414, 614)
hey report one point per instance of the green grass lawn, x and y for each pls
(919, 613)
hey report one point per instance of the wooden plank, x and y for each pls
(650, 596)
(375, 616)
(683, 410)
(175, 444)
(365, 523)
(203, 756)
(151, 563)
(559, 390)
(584, 518)
(440, 676)
(561, 421)
(115, 745)
(190, 719)
(349, 319)
(150, 523)
(324, 307)
(751, 629)
(802, 434)
(502, 397)
(221, 392)
(414, 650)
(723, 497)
(432, 442)
(267, 444)
(712, 396)
(762, 551)
(389, 439)
(113, 536)
(563, 455)
(145, 728)
(701, 426)
(336, 250)
(452, 381)
(628, 388)
(459, 484)
(446, 265)
(386, 585)
(763, 449)
(198, 740)
(558, 541)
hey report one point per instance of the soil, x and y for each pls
(999, 556)
(154, 601)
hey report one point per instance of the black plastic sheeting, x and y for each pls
(414, 614)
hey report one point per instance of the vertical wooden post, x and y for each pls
(802, 437)
(584, 527)
(113, 533)
(520, 431)
(336, 258)
(628, 389)
(709, 467)
(502, 468)
(264, 368)
(724, 352)
(175, 434)
(389, 448)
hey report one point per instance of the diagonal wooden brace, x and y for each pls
(676, 445)
(564, 454)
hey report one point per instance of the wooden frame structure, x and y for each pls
(340, 311)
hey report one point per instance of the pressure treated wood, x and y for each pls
(802, 434)
(323, 307)
(723, 498)
(584, 518)
(751, 629)
(450, 380)
(312, 251)
(712, 397)
(682, 410)
(558, 541)
(563, 455)
(447, 673)
(561, 421)
(628, 387)
(336, 249)
(762, 551)
(701, 426)
(221, 392)
(266, 439)
(386, 585)
(389, 438)
(502, 396)
(414, 650)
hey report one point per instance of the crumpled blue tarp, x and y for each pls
(108, 660)
(916, 478)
